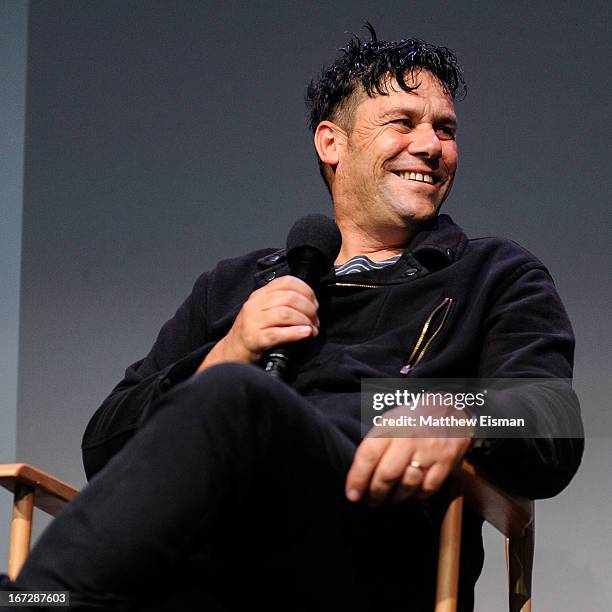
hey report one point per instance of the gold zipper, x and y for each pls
(353, 285)
(412, 362)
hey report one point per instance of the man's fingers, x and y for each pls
(288, 299)
(284, 316)
(288, 282)
(391, 470)
(394, 469)
(281, 312)
(366, 457)
(280, 325)
(409, 485)
(273, 336)
(433, 480)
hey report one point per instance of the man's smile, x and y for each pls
(419, 177)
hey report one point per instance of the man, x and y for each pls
(214, 486)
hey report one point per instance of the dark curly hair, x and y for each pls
(370, 64)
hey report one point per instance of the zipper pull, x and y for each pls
(416, 357)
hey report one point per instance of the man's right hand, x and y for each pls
(281, 312)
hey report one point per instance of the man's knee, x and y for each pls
(227, 393)
(232, 377)
(242, 407)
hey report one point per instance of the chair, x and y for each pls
(512, 516)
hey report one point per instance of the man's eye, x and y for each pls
(443, 133)
(446, 133)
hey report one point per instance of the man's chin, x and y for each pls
(419, 217)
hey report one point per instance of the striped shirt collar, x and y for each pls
(362, 263)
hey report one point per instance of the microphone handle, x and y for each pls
(305, 265)
(276, 363)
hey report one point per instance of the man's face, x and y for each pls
(398, 163)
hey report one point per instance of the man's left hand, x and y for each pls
(390, 470)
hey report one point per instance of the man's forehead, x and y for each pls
(399, 100)
(443, 114)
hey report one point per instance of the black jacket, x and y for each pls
(449, 308)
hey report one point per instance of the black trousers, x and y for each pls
(230, 497)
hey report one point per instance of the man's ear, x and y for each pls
(328, 140)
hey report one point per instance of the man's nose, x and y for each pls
(424, 142)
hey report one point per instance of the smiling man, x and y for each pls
(393, 161)
(216, 487)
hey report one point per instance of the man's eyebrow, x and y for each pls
(400, 110)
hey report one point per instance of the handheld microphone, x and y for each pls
(313, 244)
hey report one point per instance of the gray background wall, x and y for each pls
(13, 36)
(164, 136)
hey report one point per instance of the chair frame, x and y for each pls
(512, 516)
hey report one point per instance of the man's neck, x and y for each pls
(378, 246)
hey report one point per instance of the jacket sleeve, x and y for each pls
(527, 335)
(181, 345)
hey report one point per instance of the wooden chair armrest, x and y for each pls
(31, 488)
(50, 493)
(513, 516)
(509, 514)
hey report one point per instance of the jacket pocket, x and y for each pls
(431, 329)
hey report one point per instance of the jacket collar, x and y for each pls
(440, 243)
(437, 245)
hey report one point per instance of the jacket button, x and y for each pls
(411, 271)
(270, 276)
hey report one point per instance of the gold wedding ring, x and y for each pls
(416, 464)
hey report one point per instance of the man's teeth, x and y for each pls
(417, 176)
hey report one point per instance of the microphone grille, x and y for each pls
(318, 232)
